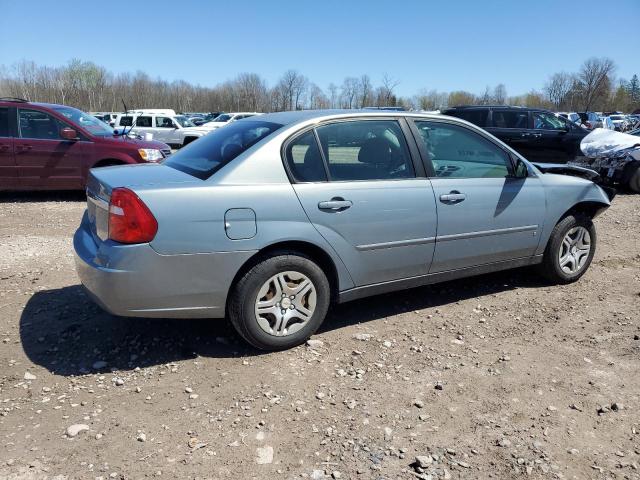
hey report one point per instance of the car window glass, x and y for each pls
(510, 119)
(460, 153)
(40, 125)
(547, 121)
(366, 150)
(126, 121)
(4, 122)
(164, 122)
(476, 116)
(304, 159)
(143, 121)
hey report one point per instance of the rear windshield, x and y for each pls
(211, 152)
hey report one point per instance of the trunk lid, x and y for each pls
(102, 181)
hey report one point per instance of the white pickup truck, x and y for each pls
(164, 125)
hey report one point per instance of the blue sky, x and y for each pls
(445, 45)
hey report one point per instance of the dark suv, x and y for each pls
(52, 147)
(539, 135)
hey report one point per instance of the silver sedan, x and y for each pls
(271, 219)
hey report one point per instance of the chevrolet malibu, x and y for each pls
(269, 220)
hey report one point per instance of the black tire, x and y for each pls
(241, 304)
(188, 140)
(634, 180)
(550, 267)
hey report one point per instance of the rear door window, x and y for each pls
(143, 122)
(477, 116)
(4, 122)
(126, 121)
(510, 119)
(305, 160)
(365, 150)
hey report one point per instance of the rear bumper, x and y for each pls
(136, 281)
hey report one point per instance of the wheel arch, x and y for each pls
(311, 250)
(589, 208)
(105, 162)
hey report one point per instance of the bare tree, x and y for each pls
(349, 92)
(364, 91)
(594, 76)
(388, 86)
(333, 95)
(558, 88)
(500, 94)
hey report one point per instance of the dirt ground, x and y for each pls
(499, 376)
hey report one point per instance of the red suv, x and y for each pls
(52, 147)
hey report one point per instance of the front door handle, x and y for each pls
(336, 204)
(22, 148)
(453, 197)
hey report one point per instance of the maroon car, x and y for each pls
(52, 147)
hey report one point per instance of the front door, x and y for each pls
(485, 215)
(8, 171)
(556, 139)
(166, 131)
(362, 194)
(43, 158)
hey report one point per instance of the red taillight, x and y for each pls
(130, 221)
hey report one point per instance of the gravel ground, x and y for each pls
(499, 376)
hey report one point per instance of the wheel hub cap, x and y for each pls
(574, 250)
(285, 303)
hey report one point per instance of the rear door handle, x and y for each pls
(23, 147)
(453, 197)
(336, 204)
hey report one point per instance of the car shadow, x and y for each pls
(63, 331)
(44, 196)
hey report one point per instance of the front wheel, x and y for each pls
(280, 302)
(634, 180)
(570, 250)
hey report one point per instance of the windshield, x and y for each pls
(223, 118)
(616, 117)
(183, 121)
(211, 152)
(86, 121)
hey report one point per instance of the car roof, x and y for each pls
(300, 116)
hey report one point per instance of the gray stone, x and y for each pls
(75, 429)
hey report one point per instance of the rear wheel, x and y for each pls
(280, 302)
(188, 140)
(570, 250)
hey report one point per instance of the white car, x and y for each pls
(222, 120)
(571, 116)
(620, 122)
(164, 126)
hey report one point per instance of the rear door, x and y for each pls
(43, 158)
(8, 170)
(362, 193)
(511, 125)
(485, 215)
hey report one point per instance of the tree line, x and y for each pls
(92, 87)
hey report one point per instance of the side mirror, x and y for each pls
(69, 134)
(521, 170)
